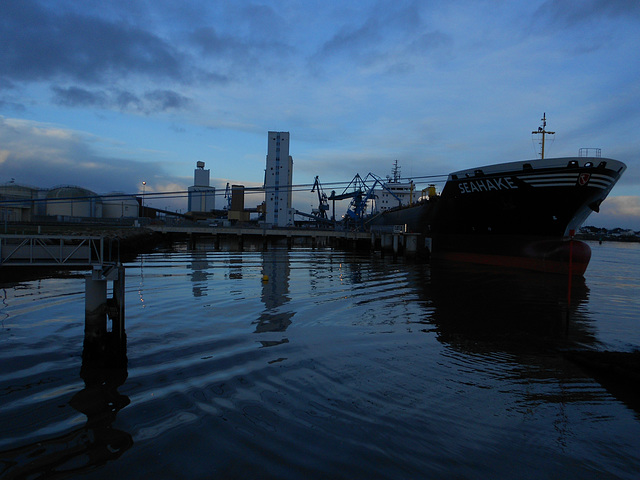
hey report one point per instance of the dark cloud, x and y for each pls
(390, 37)
(127, 101)
(163, 100)
(212, 43)
(6, 84)
(383, 22)
(235, 54)
(574, 12)
(9, 105)
(154, 101)
(39, 44)
(353, 39)
(78, 97)
(430, 40)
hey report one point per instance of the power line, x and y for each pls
(302, 187)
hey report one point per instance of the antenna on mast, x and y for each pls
(543, 131)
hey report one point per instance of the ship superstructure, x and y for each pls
(394, 192)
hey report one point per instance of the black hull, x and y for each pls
(518, 214)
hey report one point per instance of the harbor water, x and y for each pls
(317, 363)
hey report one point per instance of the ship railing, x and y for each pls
(590, 152)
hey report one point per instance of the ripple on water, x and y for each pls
(338, 366)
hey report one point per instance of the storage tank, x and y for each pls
(73, 201)
(17, 202)
(120, 205)
(17, 191)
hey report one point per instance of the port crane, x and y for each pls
(323, 202)
(362, 192)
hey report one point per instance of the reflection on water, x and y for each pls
(200, 273)
(513, 310)
(374, 369)
(103, 371)
(275, 290)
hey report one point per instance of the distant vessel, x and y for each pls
(394, 192)
(519, 214)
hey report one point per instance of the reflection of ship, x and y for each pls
(491, 311)
(485, 307)
(518, 214)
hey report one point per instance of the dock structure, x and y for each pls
(51, 250)
(79, 253)
(396, 243)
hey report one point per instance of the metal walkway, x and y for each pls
(50, 251)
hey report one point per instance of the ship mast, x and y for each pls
(396, 172)
(543, 131)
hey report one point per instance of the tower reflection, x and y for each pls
(275, 292)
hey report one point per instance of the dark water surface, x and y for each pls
(341, 365)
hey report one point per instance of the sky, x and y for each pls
(106, 95)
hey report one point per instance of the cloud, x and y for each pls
(44, 155)
(622, 211)
(100, 46)
(78, 97)
(575, 12)
(163, 100)
(39, 43)
(244, 43)
(624, 206)
(9, 105)
(154, 101)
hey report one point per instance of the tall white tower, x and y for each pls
(278, 181)
(202, 197)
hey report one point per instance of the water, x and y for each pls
(341, 365)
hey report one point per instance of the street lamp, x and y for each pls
(144, 186)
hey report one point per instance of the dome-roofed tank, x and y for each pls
(120, 205)
(73, 202)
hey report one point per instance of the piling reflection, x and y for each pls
(103, 370)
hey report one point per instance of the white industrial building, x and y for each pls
(202, 197)
(278, 181)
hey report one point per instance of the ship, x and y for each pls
(521, 214)
(394, 191)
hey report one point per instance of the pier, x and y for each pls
(51, 250)
(19, 252)
(395, 242)
(94, 253)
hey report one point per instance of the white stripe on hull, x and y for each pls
(596, 180)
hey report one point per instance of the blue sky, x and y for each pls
(106, 95)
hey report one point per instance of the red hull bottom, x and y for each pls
(560, 257)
